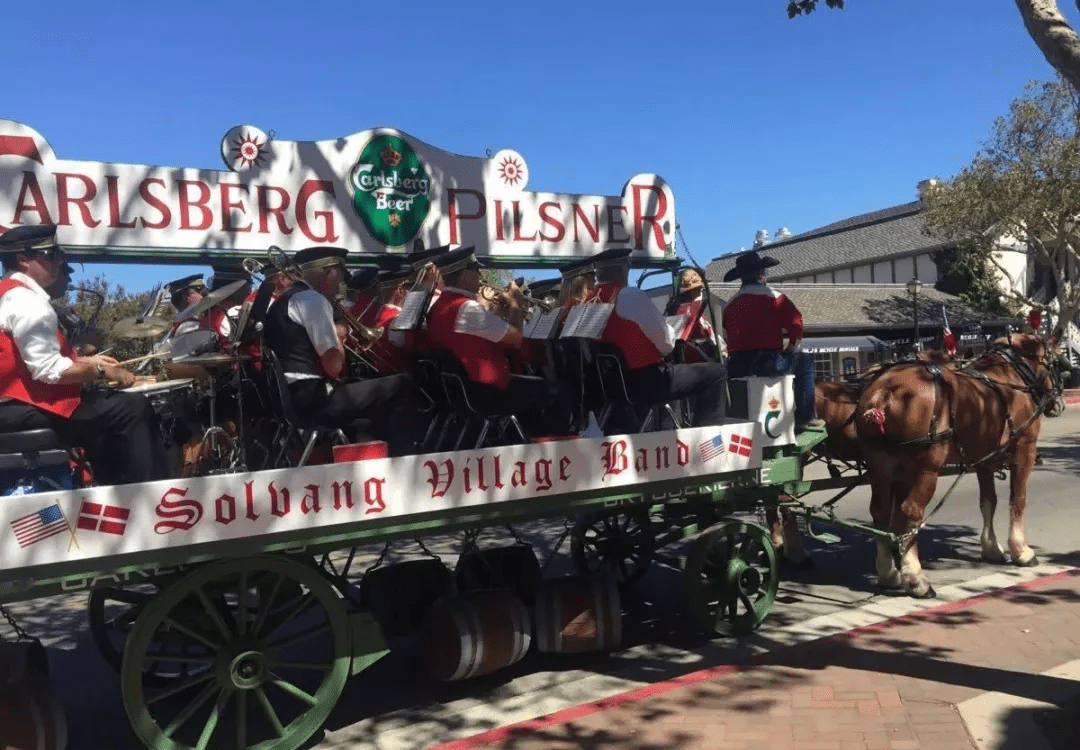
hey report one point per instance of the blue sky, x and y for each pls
(756, 121)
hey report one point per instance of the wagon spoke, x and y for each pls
(747, 603)
(303, 635)
(190, 709)
(241, 603)
(241, 720)
(175, 689)
(275, 722)
(212, 721)
(264, 607)
(215, 616)
(191, 633)
(306, 601)
(313, 665)
(293, 690)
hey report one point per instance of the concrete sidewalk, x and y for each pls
(983, 673)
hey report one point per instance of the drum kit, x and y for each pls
(194, 370)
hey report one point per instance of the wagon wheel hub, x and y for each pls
(743, 578)
(248, 670)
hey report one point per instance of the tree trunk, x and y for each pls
(1060, 45)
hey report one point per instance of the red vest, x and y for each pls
(484, 361)
(635, 346)
(698, 327)
(389, 358)
(16, 381)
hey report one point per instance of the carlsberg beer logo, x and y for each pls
(390, 190)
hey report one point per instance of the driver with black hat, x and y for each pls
(756, 319)
(42, 378)
(300, 331)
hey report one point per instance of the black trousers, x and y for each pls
(703, 382)
(542, 406)
(367, 406)
(119, 431)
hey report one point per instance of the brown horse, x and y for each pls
(915, 418)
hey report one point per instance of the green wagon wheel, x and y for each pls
(732, 576)
(618, 541)
(265, 673)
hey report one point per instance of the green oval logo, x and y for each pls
(390, 190)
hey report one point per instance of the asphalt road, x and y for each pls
(387, 706)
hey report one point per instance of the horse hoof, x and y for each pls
(998, 559)
(1029, 563)
(921, 592)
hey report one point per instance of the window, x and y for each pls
(823, 367)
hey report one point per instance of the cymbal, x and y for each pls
(134, 328)
(211, 299)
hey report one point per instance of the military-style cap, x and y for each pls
(195, 281)
(320, 257)
(364, 278)
(22, 238)
(421, 257)
(225, 275)
(457, 260)
(393, 278)
(544, 288)
(582, 267)
(616, 256)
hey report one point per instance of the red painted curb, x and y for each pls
(573, 713)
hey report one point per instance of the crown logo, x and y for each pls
(774, 403)
(390, 156)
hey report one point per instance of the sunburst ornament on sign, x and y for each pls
(245, 148)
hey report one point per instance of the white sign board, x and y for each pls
(374, 191)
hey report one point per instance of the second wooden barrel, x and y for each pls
(475, 634)
(579, 614)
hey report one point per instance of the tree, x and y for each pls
(1045, 24)
(104, 305)
(1023, 186)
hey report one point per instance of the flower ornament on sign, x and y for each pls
(245, 148)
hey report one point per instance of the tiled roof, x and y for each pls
(861, 306)
(888, 233)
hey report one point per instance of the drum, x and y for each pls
(169, 398)
(193, 344)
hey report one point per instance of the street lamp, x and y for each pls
(913, 288)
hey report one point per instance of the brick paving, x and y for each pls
(890, 686)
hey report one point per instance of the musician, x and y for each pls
(272, 274)
(183, 293)
(481, 341)
(545, 291)
(224, 315)
(578, 284)
(85, 339)
(300, 331)
(42, 378)
(756, 320)
(697, 330)
(643, 337)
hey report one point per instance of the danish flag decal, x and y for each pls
(740, 445)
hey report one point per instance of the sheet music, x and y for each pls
(541, 326)
(593, 320)
(572, 318)
(412, 307)
(677, 323)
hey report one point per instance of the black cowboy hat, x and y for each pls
(750, 265)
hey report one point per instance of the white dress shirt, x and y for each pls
(475, 320)
(634, 305)
(313, 311)
(26, 314)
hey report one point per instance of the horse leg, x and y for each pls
(776, 531)
(991, 550)
(881, 502)
(1023, 462)
(910, 515)
(794, 550)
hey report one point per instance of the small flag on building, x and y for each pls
(948, 340)
(741, 445)
(32, 528)
(108, 519)
(710, 449)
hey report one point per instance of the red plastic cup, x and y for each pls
(360, 451)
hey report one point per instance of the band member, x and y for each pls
(640, 333)
(578, 284)
(481, 341)
(756, 320)
(690, 305)
(85, 339)
(545, 291)
(224, 315)
(42, 378)
(300, 331)
(183, 293)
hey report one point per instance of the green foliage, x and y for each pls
(972, 277)
(806, 7)
(118, 304)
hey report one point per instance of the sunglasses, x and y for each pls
(50, 254)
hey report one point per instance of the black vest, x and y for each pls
(288, 339)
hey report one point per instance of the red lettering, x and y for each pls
(518, 478)
(663, 461)
(682, 453)
(113, 190)
(307, 190)
(266, 210)
(225, 509)
(180, 514)
(517, 225)
(564, 469)
(641, 218)
(542, 472)
(593, 229)
(498, 472)
(615, 460)
(641, 461)
(454, 214)
(342, 489)
(249, 498)
(186, 204)
(499, 232)
(154, 202)
(373, 495)
(30, 185)
(310, 503)
(552, 221)
(480, 483)
(440, 477)
(615, 221)
(64, 199)
(283, 509)
(227, 205)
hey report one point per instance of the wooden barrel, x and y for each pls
(476, 634)
(577, 615)
(31, 715)
(512, 567)
(398, 595)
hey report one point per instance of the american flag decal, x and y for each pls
(741, 445)
(32, 528)
(108, 519)
(710, 449)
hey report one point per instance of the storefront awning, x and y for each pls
(832, 344)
